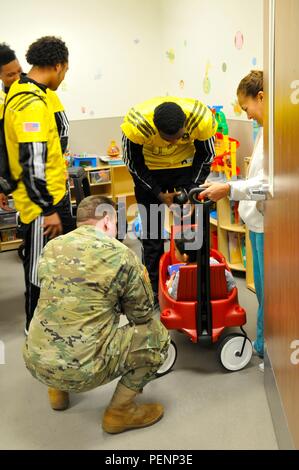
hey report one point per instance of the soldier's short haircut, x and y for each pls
(95, 207)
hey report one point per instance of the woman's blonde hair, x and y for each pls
(252, 84)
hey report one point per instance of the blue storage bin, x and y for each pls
(88, 160)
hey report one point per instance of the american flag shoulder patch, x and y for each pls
(31, 126)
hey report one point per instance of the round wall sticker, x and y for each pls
(239, 40)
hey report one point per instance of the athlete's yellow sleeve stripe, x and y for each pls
(140, 122)
(196, 105)
(19, 101)
(28, 103)
(137, 126)
(147, 124)
(199, 119)
(137, 123)
(194, 115)
(23, 101)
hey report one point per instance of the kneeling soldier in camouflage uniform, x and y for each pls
(75, 344)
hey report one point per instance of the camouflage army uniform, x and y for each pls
(75, 344)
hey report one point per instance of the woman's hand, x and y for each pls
(214, 191)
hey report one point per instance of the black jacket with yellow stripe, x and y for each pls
(145, 151)
(36, 131)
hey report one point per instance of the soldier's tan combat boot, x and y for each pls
(123, 413)
(58, 400)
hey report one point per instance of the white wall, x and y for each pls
(118, 48)
(114, 46)
(203, 31)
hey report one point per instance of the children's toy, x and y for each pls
(225, 161)
(84, 160)
(224, 166)
(137, 226)
(221, 119)
(174, 268)
(204, 308)
(113, 150)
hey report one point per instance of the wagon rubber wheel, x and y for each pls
(170, 360)
(235, 351)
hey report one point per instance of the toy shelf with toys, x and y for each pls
(8, 229)
(108, 176)
(228, 233)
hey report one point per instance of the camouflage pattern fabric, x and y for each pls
(75, 343)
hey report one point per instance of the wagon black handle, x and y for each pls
(193, 197)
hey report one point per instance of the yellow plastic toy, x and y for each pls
(225, 160)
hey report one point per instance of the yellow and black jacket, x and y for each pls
(36, 131)
(2, 100)
(144, 151)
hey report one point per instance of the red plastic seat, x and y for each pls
(187, 288)
(181, 314)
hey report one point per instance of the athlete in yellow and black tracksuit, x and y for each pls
(157, 165)
(36, 130)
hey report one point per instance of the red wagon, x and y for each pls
(204, 308)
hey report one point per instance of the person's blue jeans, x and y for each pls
(257, 243)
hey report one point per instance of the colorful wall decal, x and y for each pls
(170, 54)
(83, 109)
(239, 40)
(224, 67)
(206, 81)
(254, 61)
(237, 108)
(181, 84)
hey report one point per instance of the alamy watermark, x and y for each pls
(153, 221)
(295, 94)
(294, 358)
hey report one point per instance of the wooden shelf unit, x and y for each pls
(120, 187)
(10, 225)
(223, 226)
(10, 245)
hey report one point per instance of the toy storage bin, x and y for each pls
(100, 176)
(8, 218)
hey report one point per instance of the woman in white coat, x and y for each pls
(251, 99)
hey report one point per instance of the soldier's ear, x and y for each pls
(106, 222)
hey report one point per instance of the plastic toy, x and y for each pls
(113, 150)
(225, 161)
(221, 119)
(137, 226)
(204, 308)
